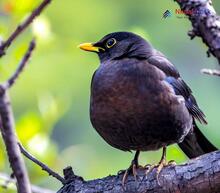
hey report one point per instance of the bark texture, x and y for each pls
(198, 175)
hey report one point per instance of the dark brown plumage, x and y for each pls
(132, 113)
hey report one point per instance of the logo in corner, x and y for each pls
(167, 14)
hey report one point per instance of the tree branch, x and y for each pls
(42, 165)
(8, 128)
(198, 175)
(6, 113)
(211, 72)
(205, 23)
(21, 66)
(6, 180)
(20, 28)
(7, 125)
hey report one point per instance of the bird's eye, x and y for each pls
(111, 42)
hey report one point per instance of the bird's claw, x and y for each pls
(121, 172)
(131, 170)
(159, 167)
(149, 168)
(172, 163)
(125, 176)
(163, 163)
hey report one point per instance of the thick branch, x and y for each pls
(20, 28)
(8, 129)
(205, 22)
(10, 140)
(198, 175)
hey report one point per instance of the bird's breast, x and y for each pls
(131, 108)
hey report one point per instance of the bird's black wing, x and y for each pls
(179, 86)
(161, 62)
(195, 143)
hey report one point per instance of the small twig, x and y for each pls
(21, 65)
(42, 165)
(6, 180)
(211, 72)
(20, 28)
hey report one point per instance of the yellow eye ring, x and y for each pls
(111, 42)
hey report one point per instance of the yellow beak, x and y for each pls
(90, 47)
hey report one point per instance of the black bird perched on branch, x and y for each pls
(139, 101)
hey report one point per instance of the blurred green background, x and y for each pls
(51, 98)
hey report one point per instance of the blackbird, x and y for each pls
(139, 101)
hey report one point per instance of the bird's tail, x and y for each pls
(196, 144)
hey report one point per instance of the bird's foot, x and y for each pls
(158, 166)
(163, 163)
(148, 168)
(131, 170)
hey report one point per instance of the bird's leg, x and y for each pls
(132, 169)
(162, 162)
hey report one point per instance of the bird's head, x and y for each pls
(119, 45)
